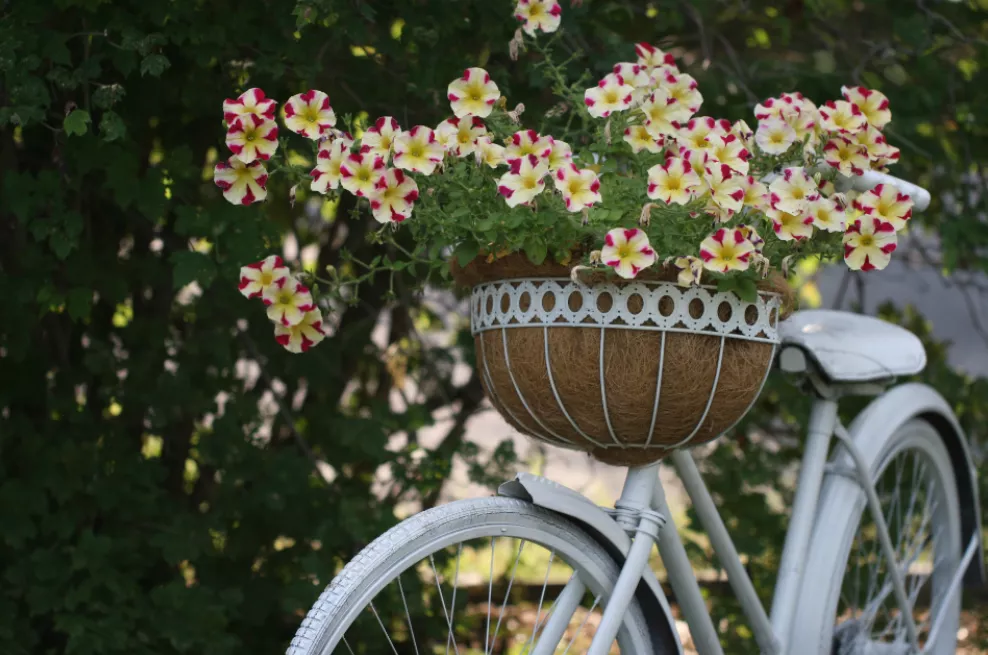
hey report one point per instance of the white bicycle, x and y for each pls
(883, 534)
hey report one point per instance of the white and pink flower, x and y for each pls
(252, 137)
(639, 139)
(538, 15)
(560, 156)
(730, 151)
(379, 139)
(418, 150)
(651, 57)
(774, 135)
(288, 302)
(459, 135)
(627, 251)
(580, 188)
(828, 215)
(873, 105)
(725, 188)
(791, 227)
(310, 114)
(793, 191)
(690, 271)
(847, 157)
(842, 117)
(868, 244)
(242, 184)
(303, 335)
(473, 94)
(682, 88)
(524, 181)
(327, 174)
(256, 277)
(700, 133)
(755, 193)
(674, 182)
(726, 250)
(611, 94)
(886, 203)
(528, 142)
(393, 197)
(488, 152)
(251, 101)
(663, 114)
(360, 173)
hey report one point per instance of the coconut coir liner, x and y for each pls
(631, 367)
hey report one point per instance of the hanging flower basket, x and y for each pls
(625, 370)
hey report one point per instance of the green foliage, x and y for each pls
(149, 497)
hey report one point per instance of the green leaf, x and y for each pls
(154, 65)
(747, 290)
(111, 126)
(191, 267)
(108, 95)
(727, 284)
(79, 302)
(535, 250)
(466, 253)
(77, 122)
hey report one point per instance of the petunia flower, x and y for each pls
(303, 335)
(699, 132)
(360, 173)
(726, 250)
(651, 57)
(327, 175)
(751, 235)
(242, 183)
(744, 133)
(868, 244)
(488, 152)
(725, 188)
(256, 277)
(309, 114)
(418, 150)
(673, 182)
(690, 271)
(755, 193)
(683, 89)
(889, 156)
(524, 180)
(560, 156)
(663, 114)
(538, 15)
(780, 107)
(774, 136)
(378, 140)
(528, 142)
(872, 140)
(459, 135)
(699, 161)
(393, 197)
(790, 227)
(633, 73)
(288, 302)
(627, 251)
(639, 139)
(842, 117)
(873, 105)
(580, 188)
(886, 203)
(473, 94)
(848, 158)
(251, 101)
(730, 151)
(793, 191)
(252, 137)
(827, 215)
(611, 94)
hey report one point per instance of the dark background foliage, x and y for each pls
(161, 489)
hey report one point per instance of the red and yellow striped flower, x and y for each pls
(255, 278)
(580, 188)
(251, 101)
(627, 251)
(538, 15)
(251, 137)
(869, 244)
(327, 174)
(393, 197)
(473, 94)
(418, 150)
(887, 204)
(379, 139)
(360, 173)
(303, 335)
(726, 250)
(288, 302)
(242, 184)
(310, 114)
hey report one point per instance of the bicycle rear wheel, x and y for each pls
(848, 605)
(475, 576)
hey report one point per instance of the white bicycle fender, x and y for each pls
(913, 400)
(563, 500)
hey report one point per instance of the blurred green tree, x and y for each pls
(171, 481)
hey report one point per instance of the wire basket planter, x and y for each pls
(625, 371)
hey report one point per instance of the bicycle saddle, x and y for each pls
(849, 347)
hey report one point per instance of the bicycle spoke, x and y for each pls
(538, 612)
(381, 623)
(500, 615)
(452, 609)
(582, 623)
(449, 617)
(408, 615)
(490, 593)
(347, 646)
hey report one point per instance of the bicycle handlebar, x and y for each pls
(871, 179)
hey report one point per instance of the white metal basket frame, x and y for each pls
(499, 305)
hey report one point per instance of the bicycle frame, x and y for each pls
(643, 491)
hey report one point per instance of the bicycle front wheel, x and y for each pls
(848, 604)
(486, 575)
